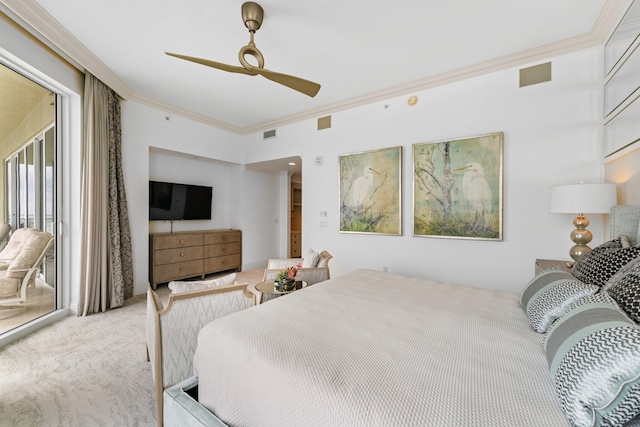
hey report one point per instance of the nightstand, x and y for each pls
(543, 264)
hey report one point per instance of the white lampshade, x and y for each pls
(582, 198)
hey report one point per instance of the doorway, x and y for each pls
(290, 195)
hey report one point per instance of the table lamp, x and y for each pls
(580, 199)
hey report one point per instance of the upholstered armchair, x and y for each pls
(172, 331)
(5, 229)
(15, 244)
(19, 271)
(311, 271)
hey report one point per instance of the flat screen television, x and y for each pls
(169, 201)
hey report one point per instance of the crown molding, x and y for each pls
(170, 108)
(609, 17)
(528, 56)
(43, 23)
(37, 18)
(518, 59)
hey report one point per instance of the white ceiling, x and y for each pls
(359, 51)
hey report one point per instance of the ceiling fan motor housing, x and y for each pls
(252, 15)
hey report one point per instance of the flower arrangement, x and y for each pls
(289, 273)
(286, 279)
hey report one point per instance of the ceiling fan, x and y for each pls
(252, 16)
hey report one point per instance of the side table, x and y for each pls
(543, 264)
(269, 288)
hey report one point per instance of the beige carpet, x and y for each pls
(83, 371)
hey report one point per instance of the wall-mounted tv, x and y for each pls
(169, 201)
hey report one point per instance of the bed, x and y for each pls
(378, 349)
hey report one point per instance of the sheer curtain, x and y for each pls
(106, 263)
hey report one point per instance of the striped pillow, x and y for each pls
(593, 354)
(549, 296)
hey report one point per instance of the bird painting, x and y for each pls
(370, 191)
(362, 187)
(458, 188)
(476, 192)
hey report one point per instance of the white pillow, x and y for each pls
(310, 260)
(178, 287)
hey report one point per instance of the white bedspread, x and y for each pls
(377, 349)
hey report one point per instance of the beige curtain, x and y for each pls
(106, 263)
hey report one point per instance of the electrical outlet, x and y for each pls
(324, 224)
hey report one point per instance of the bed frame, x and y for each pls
(181, 406)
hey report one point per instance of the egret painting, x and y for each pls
(370, 192)
(457, 188)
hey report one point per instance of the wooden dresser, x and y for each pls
(175, 256)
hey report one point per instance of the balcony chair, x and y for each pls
(5, 229)
(15, 244)
(172, 331)
(22, 269)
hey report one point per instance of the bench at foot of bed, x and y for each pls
(181, 407)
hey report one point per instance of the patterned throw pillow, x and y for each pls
(549, 295)
(624, 287)
(601, 263)
(594, 358)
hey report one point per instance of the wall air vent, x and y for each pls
(324, 122)
(269, 134)
(537, 74)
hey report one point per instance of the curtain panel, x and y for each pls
(106, 264)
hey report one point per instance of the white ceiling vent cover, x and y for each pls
(269, 134)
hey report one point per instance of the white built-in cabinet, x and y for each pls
(622, 84)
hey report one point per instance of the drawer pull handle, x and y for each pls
(181, 240)
(181, 268)
(182, 254)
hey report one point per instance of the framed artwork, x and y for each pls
(370, 192)
(457, 188)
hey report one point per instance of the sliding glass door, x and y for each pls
(29, 148)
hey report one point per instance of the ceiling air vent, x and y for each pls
(324, 122)
(536, 74)
(269, 134)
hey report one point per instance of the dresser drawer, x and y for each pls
(178, 270)
(178, 241)
(211, 251)
(221, 263)
(176, 256)
(225, 237)
(169, 256)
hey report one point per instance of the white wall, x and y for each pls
(172, 167)
(551, 136)
(180, 150)
(260, 217)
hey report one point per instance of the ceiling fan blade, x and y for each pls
(214, 64)
(295, 83)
